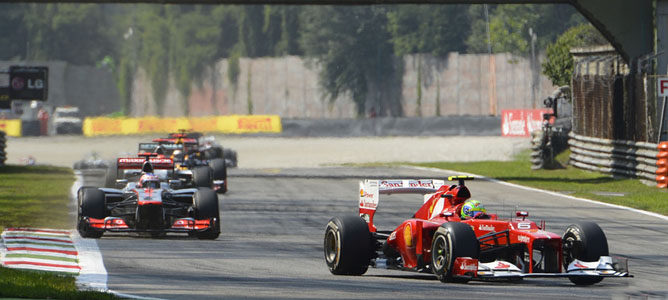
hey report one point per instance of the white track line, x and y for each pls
(93, 275)
(451, 172)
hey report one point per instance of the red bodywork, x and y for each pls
(413, 238)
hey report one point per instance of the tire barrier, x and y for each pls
(545, 148)
(3, 146)
(662, 166)
(232, 124)
(622, 158)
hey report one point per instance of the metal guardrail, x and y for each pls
(624, 158)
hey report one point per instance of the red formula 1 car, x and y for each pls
(148, 204)
(437, 240)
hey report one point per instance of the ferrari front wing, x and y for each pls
(606, 266)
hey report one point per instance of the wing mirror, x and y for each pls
(522, 214)
(121, 182)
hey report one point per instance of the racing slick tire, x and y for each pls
(452, 240)
(202, 177)
(348, 245)
(584, 241)
(230, 157)
(219, 173)
(92, 205)
(205, 202)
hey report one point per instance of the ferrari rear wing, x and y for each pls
(371, 189)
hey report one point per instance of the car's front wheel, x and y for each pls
(205, 204)
(450, 241)
(91, 205)
(584, 241)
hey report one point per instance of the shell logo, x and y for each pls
(408, 235)
(361, 192)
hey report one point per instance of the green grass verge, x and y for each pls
(569, 180)
(35, 196)
(38, 196)
(43, 285)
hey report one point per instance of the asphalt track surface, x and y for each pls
(272, 234)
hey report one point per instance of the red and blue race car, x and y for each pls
(438, 240)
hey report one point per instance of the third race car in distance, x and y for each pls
(457, 240)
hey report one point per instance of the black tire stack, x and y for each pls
(541, 151)
(3, 145)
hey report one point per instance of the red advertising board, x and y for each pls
(521, 122)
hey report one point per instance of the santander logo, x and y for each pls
(468, 267)
(580, 266)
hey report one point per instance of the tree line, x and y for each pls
(358, 48)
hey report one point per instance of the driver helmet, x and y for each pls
(149, 180)
(178, 155)
(473, 209)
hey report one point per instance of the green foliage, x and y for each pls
(558, 65)
(352, 46)
(124, 84)
(436, 29)
(233, 69)
(509, 26)
(52, 29)
(356, 46)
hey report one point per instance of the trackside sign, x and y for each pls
(662, 86)
(521, 122)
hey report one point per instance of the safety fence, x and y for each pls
(623, 158)
(231, 124)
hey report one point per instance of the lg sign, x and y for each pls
(663, 86)
(28, 83)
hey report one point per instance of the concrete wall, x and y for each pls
(288, 86)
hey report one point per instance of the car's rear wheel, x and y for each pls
(205, 202)
(450, 241)
(230, 157)
(219, 172)
(202, 177)
(584, 241)
(91, 205)
(348, 245)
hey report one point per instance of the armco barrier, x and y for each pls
(232, 124)
(662, 166)
(624, 158)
